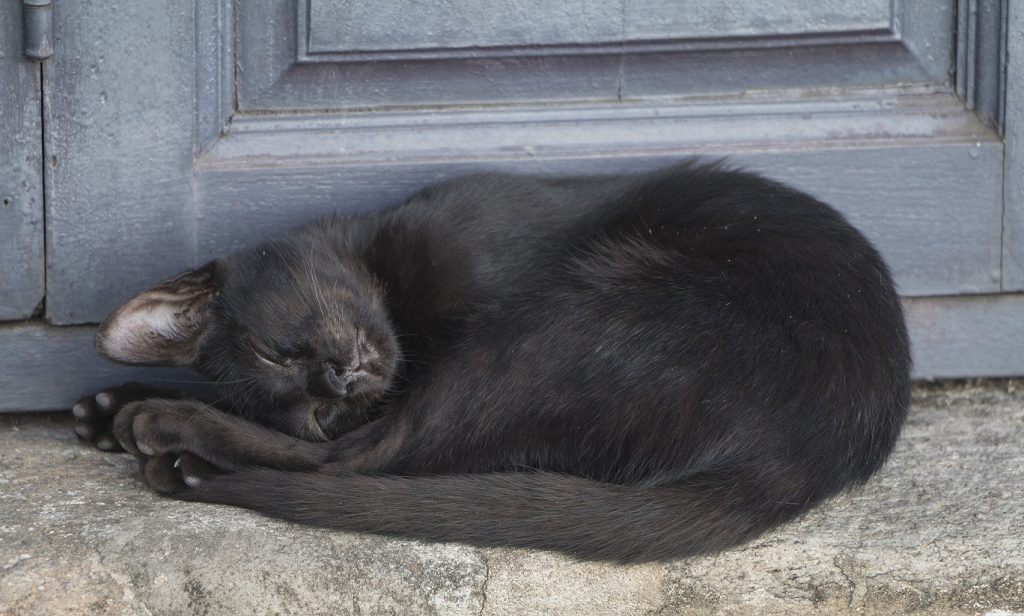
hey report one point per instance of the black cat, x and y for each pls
(624, 368)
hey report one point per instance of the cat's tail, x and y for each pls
(586, 519)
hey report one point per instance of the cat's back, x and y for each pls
(740, 311)
(492, 207)
(702, 198)
(717, 230)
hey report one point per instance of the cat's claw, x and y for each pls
(107, 444)
(174, 475)
(85, 431)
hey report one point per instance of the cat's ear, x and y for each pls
(164, 325)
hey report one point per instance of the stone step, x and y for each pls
(939, 530)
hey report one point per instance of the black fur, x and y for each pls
(624, 368)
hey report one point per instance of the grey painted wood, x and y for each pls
(271, 74)
(120, 135)
(878, 162)
(312, 59)
(918, 49)
(959, 337)
(889, 192)
(348, 26)
(893, 195)
(21, 173)
(149, 175)
(341, 26)
(565, 131)
(48, 368)
(980, 55)
(214, 64)
(670, 19)
(1013, 216)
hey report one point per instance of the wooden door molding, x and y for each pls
(1013, 124)
(298, 56)
(981, 57)
(349, 31)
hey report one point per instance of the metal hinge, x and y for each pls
(38, 35)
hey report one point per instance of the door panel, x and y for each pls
(340, 54)
(468, 27)
(21, 174)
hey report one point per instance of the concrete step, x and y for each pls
(940, 530)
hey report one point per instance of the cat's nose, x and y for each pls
(327, 381)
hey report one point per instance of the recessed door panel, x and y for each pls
(341, 54)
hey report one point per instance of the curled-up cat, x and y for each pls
(620, 368)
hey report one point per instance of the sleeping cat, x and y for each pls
(621, 368)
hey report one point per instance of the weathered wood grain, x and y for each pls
(980, 57)
(21, 173)
(120, 124)
(43, 367)
(335, 54)
(1013, 216)
(967, 336)
(923, 182)
(458, 27)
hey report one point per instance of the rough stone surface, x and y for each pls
(940, 530)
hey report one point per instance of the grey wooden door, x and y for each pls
(175, 132)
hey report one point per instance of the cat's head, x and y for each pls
(296, 338)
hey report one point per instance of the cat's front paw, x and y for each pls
(157, 426)
(94, 415)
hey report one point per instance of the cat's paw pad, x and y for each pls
(94, 415)
(94, 418)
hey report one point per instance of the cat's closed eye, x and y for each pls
(278, 361)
